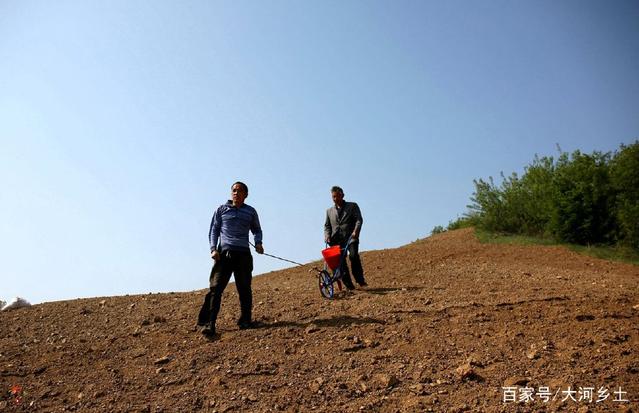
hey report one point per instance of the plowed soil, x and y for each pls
(446, 324)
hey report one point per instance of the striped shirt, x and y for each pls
(231, 226)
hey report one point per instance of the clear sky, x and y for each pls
(123, 124)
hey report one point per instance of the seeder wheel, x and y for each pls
(325, 284)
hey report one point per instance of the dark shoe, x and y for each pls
(245, 325)
(209, 330)
(363, 284)
(350, 287)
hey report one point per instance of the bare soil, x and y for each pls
(446, 324)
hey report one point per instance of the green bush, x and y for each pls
(624, 174)
(463, 222)
(583, 200)
(520, 205)
(578, 198)
(538, 196)
(437, 230)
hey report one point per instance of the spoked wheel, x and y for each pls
(325, 284)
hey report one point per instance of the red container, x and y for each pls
(331, 256)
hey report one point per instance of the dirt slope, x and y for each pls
(445, 325)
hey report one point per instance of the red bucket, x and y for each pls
(332, 256)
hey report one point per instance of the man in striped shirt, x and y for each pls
(229, 241)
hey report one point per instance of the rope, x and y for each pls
(279, 258)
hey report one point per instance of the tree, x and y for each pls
(583, 200)
(624, 174)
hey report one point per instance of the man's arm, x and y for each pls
(256, 229)
(214, 232)
(328, 230)
(357, 215)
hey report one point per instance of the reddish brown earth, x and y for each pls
(445, 324)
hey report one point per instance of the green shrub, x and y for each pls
(578, 198)
(583, 200)
(437, 230)
(462, 222)
(624, 174)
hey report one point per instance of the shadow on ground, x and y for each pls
(340, 321)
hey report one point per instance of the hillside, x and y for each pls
(444, 325)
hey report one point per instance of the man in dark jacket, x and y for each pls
(229, 240)
(344, 220)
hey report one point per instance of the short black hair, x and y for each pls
(337, 189)
(242, 184)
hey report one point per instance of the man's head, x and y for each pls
(239, 192)
(338, 195)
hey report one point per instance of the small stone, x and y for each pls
(418, 389)
(311, 329)
(635, 307)
(316, 385)
(160, 370)
(473, 361)
(431, 400)
(547, 345)
(516, 381)
(466, 372)
(532, 354)
(386, 380)
(162, 360)
(371, 343)
(217, 381)
(421, 376)
(363, 387)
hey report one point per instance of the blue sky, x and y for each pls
(123, 124)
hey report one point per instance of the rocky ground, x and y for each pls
(446, 324)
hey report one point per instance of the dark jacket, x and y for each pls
(341, 224)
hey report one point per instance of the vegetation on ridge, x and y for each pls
(578, 198)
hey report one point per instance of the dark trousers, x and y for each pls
(240, 264)
(356, 264)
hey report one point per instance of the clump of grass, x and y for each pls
(623, 254)
(612, 253)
